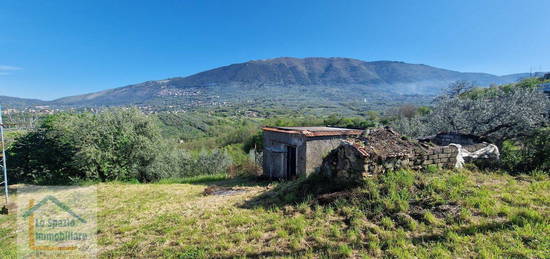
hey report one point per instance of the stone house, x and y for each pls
(290, 152)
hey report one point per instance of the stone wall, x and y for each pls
(318, 148)
(358, 158)
(442, 156)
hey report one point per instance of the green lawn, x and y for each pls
(439, 214)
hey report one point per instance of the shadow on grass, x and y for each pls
(219, 180)
(296, 192)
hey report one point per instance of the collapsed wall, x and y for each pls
(383, 149)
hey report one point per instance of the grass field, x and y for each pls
(440, 214)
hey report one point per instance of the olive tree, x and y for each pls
(496, 113)
(116, 144)
(413, 127)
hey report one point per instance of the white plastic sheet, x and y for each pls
(490, 151)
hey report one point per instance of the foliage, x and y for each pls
(531, 154)
(538, 150)
(351, 122)
(497, 113)
(414, 127)
(256, 142)
(500, 114)
(211, 162)
(117, 144)
(39, 158)
(12, 135)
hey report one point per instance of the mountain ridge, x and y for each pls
(313, 72)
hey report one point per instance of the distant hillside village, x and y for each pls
(33, 110)
(308, 85)
(195, 99)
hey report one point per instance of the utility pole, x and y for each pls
(4, 167)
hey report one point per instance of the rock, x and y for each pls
(10, 208)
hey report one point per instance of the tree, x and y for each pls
(413, 127)
(407, 111)
(527, 154)
(116, 144)
(497, 114)
(459, 87)
(120, 144)
(45, 155)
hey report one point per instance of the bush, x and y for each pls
(530, 154)
(117, 144)
(538, 150)
(211, 162)
(245, 169)
(114, 145)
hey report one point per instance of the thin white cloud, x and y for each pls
(6, 70)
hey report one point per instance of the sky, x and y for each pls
(52, 49)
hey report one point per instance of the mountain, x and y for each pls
(14, 102)
(285, 83)
(315, 74)
(520, 76)
(327, 71)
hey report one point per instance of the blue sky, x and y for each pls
(51, 49)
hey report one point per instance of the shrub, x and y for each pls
(244, 169)
(531, 154)
(117, 144)
(538, 149)
(211, 162)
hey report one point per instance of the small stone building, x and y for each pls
(381, 150)
(290, 152)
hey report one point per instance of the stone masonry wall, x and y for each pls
(348, 162)
(442, 156)
(317, 149)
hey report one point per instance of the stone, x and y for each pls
(381, 151)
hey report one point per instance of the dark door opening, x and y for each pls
(291, 162)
